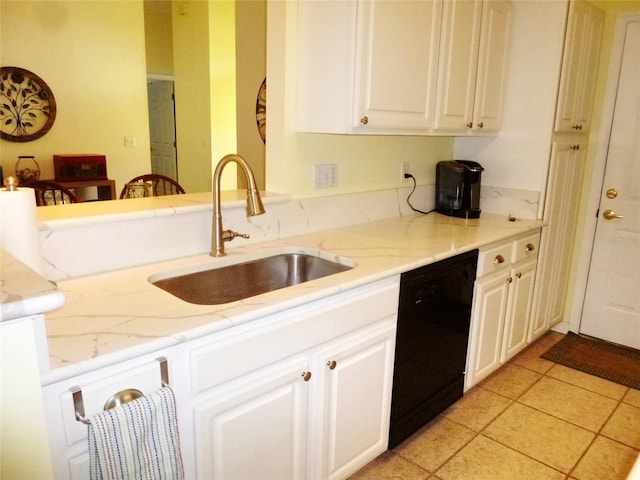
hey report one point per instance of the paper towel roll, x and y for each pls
(19, 232)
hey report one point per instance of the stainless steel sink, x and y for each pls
(243, 280)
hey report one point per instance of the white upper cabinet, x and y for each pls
(579, 68)
(401, 67)
(458, 64)
(396, 55)
(472, 64)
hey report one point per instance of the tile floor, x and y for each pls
(532, 419)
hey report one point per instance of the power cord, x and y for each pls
(408, 175)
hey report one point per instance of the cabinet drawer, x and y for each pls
(494, 259)
(97, 390)
(526, 247)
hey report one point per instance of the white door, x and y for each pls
(162, 127)
(612, 300)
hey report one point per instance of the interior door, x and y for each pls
(162, 127)
(612, 301)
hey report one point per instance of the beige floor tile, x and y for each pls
(549, 339)
(568, 402)
(605, 460)
(632, 397)
(390, 466)
(511, 381)
(624, 425)
(588, 382)
(530, 357)
(477, 408)
(434, 445)
(484, 459)
(547, 439)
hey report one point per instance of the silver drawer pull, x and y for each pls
(498, 260)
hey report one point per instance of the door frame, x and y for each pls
(600, 142)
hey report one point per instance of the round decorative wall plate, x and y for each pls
(261, 110)
(27, 105)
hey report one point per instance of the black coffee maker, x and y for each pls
(458, 188)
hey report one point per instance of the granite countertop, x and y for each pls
(23, 292)
(115, 316)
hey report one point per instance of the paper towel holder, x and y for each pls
(118, 398)
(11, 184)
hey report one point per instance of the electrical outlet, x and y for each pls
(404, 168)
(325, 175)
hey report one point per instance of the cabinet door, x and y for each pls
(355, 406)
(396, 63)
(485, 343)
(516, 327)
(457, 64)
(579, 67)
(492, 63)
(255, 427)
(326, 37)
(561, 203)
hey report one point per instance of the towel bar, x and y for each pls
(123, 396)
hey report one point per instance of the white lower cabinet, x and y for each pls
(503, 299)
(353, 401)
(256, 427)
(68, 436)
(305, 394)
(323, 414)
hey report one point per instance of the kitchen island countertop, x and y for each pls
(114, 316)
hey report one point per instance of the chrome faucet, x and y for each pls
(254, 204)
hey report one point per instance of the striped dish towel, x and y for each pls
(137, 440)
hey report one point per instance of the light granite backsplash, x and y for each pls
(180, 226)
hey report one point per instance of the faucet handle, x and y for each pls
(229, 235)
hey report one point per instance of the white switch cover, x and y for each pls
(129, 141)
(325, 175)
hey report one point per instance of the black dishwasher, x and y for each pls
(431, 345)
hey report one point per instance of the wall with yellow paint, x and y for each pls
(91, 54)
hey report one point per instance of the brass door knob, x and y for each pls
(610, 215)
(331, 364)
(306, 376)
(481, 125)
(498, 260)
(364, 120)
(469, 125)
(612, 193)
(530, 247)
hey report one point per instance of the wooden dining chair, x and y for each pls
(48, 192)
(160, 185)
